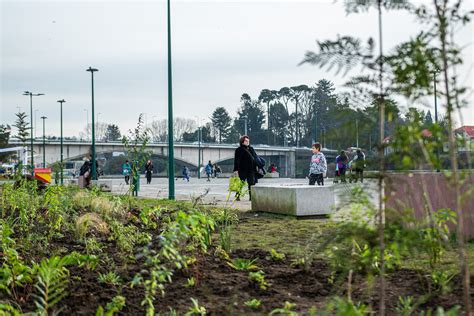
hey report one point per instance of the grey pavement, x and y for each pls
(184, 190)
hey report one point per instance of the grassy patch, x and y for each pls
(283, 233)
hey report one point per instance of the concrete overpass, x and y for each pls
(185, 153)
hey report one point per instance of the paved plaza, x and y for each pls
(188, 190)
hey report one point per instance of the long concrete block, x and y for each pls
(297, 200)
(305, 200)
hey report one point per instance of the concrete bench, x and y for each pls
(272, 175)
(304, 200)
(104, 185)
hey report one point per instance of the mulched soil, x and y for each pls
(223, 290)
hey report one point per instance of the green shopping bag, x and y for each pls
(235, 184)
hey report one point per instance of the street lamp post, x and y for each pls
(357, 133)
(87, 123)
(170, 115)
(436, 119)
(199, 151)
(94, 167)
(31, 122)
(44, 142)
(36, 120)
(61, 132)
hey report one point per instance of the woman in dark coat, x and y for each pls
(149, 171)
(245, 165)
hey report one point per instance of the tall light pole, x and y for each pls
(36, 121)
(436, 119)
(357, 133)
(170, 116)
(61, 121)
(44, 143)
(94, 168)
(31, 94)
(87, 122)
(199, 147)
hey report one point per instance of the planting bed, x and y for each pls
(127, 239)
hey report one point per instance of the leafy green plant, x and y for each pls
(405, 306)
(225, 238)
(110, 278)
(253, 303)
(442, 280)
(136, 146)
(308, 254)
(187, 232)
(343, 306)
(93, 246)
(8, 310)
(150, 217)
(112, 308)
(52, 281)
(14, 273)
(195, 309)
(276, 256)
(243, 264)
(53, 202)
(285, 310)
(190, 282)
(259, 278)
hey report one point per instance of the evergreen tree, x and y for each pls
(22, 127)
(251, 114)
(279, 121)
(112, 133)
(222, 123)
(5, 131)
(428, 119)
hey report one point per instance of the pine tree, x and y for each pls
(22, 126)
(222, 122)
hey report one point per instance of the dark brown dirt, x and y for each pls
(223, 290)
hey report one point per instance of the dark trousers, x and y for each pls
(316, 178)
(340, 174)
(148, 177)
(250, 178)
(359, 173)
(127, 179)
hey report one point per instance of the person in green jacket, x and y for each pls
(126, 171)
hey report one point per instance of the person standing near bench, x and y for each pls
(245, 165)
(126, 171)
(318, 166)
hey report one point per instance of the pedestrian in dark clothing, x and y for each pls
(245, 165)
(185, 173)
(148, 171)
(86, 172)
(341, 166)
(358, 165)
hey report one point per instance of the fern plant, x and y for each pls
(53, 279)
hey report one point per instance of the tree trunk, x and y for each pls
(442, 19)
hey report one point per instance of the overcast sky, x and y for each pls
(221, 49)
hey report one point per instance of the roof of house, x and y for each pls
(469, 130)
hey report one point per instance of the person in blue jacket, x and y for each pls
(209, 169)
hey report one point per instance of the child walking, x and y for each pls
(318, 166)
